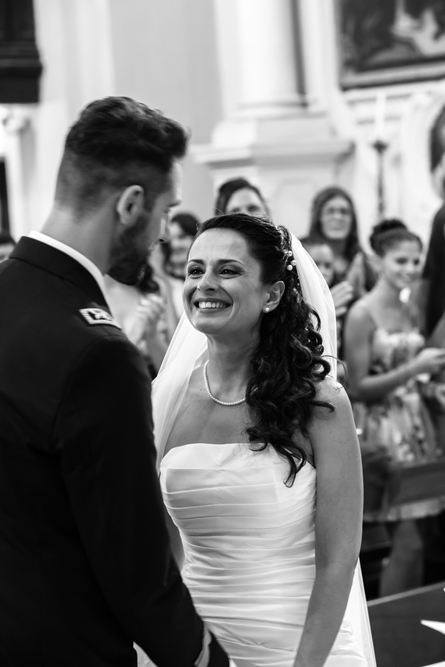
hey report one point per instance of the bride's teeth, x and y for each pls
(210, 304)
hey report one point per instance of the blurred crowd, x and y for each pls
(390, 307)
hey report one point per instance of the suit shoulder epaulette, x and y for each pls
(95, 316)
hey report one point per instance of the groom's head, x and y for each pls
(122, 158)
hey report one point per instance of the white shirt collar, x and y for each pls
(86, 263)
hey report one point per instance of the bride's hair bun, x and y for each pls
(389, 233)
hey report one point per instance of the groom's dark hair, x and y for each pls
(117, 142)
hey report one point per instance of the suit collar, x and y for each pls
(72, 252)
(58, 263)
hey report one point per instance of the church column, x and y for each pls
(268, 72)
(258, 57)
(273, 131)
(16, 127)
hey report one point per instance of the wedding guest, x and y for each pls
(238, 195)
(140, 311)
(342, 292)
(183, 229)
(431, 299)
(170, 268)
(386, 358)
(431, 295)
(323, 256)
(334, 222)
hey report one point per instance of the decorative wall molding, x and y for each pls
(301, 153)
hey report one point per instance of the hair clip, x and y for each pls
(292, 265)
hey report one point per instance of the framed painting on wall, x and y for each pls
(390, 41)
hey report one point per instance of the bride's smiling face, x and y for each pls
(223, 291)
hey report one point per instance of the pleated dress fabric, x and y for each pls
(249, 543)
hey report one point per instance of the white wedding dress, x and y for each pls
(249, 540)
(249, 543)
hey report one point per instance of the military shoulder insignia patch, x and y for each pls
(98, 316)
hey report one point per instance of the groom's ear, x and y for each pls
(130, 205)
(274, 295)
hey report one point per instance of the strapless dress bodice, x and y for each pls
(249, 544)
(390, 349)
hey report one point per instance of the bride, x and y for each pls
(259, 460)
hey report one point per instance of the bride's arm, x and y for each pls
(338, 523)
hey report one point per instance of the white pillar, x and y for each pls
(258, 57)
(16, 123)
(267, 65)
(273, 131)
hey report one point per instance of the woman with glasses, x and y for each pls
(334, 223)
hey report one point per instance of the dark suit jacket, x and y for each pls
(85, 562)
(434, 274)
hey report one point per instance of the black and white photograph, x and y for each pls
(222, 333)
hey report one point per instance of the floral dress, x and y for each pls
(400, 421)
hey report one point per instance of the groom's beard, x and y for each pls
(128, 260)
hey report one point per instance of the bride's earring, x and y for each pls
(266, 310)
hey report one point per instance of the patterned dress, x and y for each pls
(399, 421)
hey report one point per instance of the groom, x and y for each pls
(85, 561)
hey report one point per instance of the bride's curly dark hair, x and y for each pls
(287, 363)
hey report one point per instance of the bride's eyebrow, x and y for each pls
(219, 261)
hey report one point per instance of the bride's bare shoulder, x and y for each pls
(333, 394)
(196, 380)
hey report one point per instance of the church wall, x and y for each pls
(292, 133)
(161, 52)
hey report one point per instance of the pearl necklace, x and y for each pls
(227, 404)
